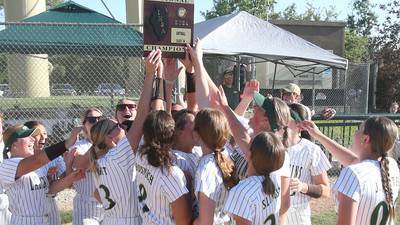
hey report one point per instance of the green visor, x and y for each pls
(268, 105)
(296, 116)
(19, 133)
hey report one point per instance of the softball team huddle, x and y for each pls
(202, 165)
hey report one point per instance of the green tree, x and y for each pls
(310, 14)
(356, 47)
(388, 55)
(363, 18)
(261, 8)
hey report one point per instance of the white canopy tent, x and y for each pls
(242, 34)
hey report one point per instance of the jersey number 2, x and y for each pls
(142, 197)
(111, 203)
(271, 219)
(385, 214)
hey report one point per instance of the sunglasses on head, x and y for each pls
(121, 107)
(92, 119)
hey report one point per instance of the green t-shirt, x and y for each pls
(232, 95)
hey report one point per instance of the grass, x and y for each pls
(66, 217)
(326, 218)
(329, 217)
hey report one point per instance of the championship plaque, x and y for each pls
(168, 25)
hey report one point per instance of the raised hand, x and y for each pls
(222, 101)
(196, 53)
(310, 127)
(171, 71)
(187, 61)
(152, 63)
(249, 89)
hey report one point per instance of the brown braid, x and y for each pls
(384, 165)
(285, 138)
(227, 169)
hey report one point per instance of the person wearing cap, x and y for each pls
(308, 165)
(231, 93)
(24, 176)
(292, 94)
(270, 115)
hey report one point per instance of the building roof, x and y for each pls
(70, 28)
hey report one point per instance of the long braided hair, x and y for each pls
(383, 134)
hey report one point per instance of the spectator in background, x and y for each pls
(125, 112)
(232, 94)
(394, 107)
(292, 94)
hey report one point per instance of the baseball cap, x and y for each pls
(268, 105)
(228, 73)
(292, 88)
(18, 132)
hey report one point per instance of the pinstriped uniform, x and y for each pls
(115, 183)
(5, 214)
(238, 159)
(86, 206)
(27, 194)
(157, 189)
(306, 160)
(248, 200)
(362, 183)
(187, 162)
(54, 214)
(208, 180)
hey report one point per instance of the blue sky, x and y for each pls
(117, 7)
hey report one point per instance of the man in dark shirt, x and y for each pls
(232, 94)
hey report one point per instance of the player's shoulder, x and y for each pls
(249, 186)
(363, 171)
(310, 146)
(207, 161)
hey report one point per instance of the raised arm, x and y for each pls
(242, 138)
(36, 161)
(343, 154)
(190, 82)
(247, 97)
(152, 65)
(171, 72)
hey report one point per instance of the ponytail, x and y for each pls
(94, 152)
(285, 137)
(384, 166)
(227, 169)
(158, 155)
(268, 185)
(5, 155)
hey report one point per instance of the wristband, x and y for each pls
(158, 89)
(55, 150)
(190, 83)
(314, 191)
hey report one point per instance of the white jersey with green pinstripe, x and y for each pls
(157, 189)
(86, 206)
(248, 201)
(208, 180)
(306, 160)
(362, 182)
(27, 194)
(5, 214)
(115, 183)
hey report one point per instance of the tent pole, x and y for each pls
(313, 90)
(237, 81)
(273, 81)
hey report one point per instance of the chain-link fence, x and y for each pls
(52, 72)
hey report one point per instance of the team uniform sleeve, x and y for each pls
(207, 182)
(238, 204)
(348, 184)
(174, 185)
(122, 154)
(8, 171)
(320, 162)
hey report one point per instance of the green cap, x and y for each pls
(21, 132)
(268, 105)
(296, 116)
